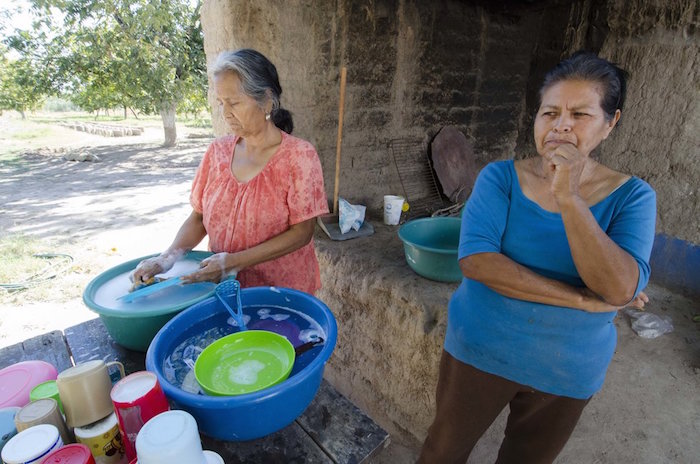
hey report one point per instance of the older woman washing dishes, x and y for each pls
(256, 193)
(551, 247)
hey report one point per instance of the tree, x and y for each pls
(21, 87)
(143, 54)
(24, 81)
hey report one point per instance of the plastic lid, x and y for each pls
(80, 369)
(31, 444)
(165, 429)
(7, 423)
(171, 436)
(75, 453)
(213, 458)
(44, 390)
(17, 381)
(36, 410)
(7, 416)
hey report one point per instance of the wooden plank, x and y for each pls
(90, 340)
(331, 430)
(290, 445)
(340, 428)
(50, 347)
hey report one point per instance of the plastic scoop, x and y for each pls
(145, 291)
(230, 289)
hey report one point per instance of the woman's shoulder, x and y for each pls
(500, 171)
(296, 144)
(296, 151)
(622, 183)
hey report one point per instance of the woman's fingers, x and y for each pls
(146, 269)
(211, 269)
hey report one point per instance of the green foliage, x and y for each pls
(22, 85)
(141, 54)
(59, 105)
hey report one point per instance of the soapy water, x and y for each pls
(298, 327)
(246, 373)
(108, 293)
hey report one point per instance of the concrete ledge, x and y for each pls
(391, 327)
(675, 264)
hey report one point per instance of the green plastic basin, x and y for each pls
(133, 325)
(244, 362)
(430, 246)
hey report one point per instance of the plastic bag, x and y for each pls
(649, 325)
(351, 216)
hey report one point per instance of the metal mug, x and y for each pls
(84, 390)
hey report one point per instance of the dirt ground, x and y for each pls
(130, 203)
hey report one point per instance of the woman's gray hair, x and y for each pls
(259, 80)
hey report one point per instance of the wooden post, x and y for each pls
(341, 105)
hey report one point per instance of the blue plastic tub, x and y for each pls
(252, 415)
(430, 246)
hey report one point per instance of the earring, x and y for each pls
(267, 116)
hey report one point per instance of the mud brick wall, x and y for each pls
(415, 66)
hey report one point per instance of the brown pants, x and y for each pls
(469, 400)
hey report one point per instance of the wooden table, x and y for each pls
(331, 430)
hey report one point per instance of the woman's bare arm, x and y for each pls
(505, 276)
(216, 267)
(604, 267)
(189, 235)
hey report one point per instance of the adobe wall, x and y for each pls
(415, 66)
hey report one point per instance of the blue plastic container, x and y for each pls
(253, 415)
(430, 246)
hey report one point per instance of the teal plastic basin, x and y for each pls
(133, 325)
(430, 246)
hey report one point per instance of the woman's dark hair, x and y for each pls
(587, 66)
(259, 81)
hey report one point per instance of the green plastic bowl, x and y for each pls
(134, 326)
(244, 362)
(430, 246)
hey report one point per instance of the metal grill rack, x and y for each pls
(420, 188)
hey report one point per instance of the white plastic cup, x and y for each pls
(172, 436)
(393, 205)
(32, 445)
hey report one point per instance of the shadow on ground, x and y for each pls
(47, 196)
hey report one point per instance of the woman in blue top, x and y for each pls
(551, 247)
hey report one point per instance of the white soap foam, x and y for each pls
(246, 373)
(132, 388)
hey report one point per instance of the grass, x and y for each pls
(21, 135)
(21, 265)
(33, 133)
(31, 272)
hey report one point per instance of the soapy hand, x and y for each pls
(148, 268)
(211, 269)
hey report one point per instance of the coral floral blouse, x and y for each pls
(239, 215)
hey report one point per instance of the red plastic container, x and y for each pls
(75, 453)
(137, 398)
